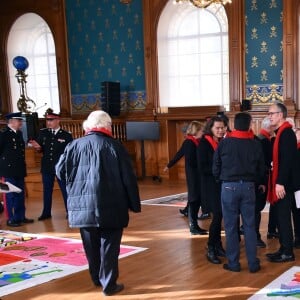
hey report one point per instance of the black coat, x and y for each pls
(188, 149)
(210, 187)
(52, 147)
(101, 184)
(12, 154)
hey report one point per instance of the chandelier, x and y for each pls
(204, 3)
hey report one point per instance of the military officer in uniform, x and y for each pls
(13, 168)
(51, 141)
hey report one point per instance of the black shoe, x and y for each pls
(118, 288)
(272, 235)
(42, 217)
(260, 243)
(184, 211)
(274, 254)
(204, 216)
(27, 221)
(220, 251)
(211, 255)
(282, 258)
(236, 269)
(13, 223)
(196, 230)
(255, 269)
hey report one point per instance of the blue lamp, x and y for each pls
(20, 63)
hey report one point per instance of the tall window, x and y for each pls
(193, 56)
(31, 37)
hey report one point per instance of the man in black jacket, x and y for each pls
(13, 168)
(238, 162)
(52, 142)
(101, 187)
(281, 185)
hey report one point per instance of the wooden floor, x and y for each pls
(173, 267)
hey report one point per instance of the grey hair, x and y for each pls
(266, 123)
(97, 119)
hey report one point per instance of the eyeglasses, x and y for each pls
(270, 113)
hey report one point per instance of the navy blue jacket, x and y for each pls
(52, 148)
(239, 159)
(101, 184)
(12, 154)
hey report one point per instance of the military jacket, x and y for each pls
(52, 147)
(12, 153)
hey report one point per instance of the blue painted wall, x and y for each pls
(264, 64)
(105, 41)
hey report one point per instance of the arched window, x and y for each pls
(193, 59)
(31, 37)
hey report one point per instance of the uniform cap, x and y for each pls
(16, 115)
(51, 116)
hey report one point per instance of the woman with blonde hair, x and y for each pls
(188, 149)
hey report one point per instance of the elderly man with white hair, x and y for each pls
(102, 188)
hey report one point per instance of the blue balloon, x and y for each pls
(20, 63)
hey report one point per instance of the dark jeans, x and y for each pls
(102, 249)
(239, 198)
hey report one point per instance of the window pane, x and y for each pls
(193, 56)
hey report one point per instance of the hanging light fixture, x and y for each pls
(204, 3)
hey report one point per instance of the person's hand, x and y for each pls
(262, 188)
(166, 169)
(35, 144)
(280, 191)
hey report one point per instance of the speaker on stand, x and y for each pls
(111, 97)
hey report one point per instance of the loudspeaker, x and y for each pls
(30, 127)
(246, 105)
(111, 97)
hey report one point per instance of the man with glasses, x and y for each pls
(13, 168)
(51, 142)
(280, 192)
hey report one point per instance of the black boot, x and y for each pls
(195, 229)
(220, 251)
(184, 211)
(211, 255)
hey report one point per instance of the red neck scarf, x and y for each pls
(212, 142)
(298, 146)
(102, 130)
(193, 139)
(265, 133)
(272, 198)
(242, 134)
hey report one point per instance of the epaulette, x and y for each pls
(4, 129)
(44, 129)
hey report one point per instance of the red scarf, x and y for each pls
(272, 198)
(242, 134)
(193, 139)
(298, 146)
(102, 130)
(265, 133)
(212, 142)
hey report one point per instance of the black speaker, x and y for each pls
(30, 127)
(111, 97)
(246, 105)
